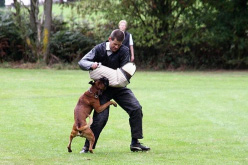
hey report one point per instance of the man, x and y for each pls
(128, 41)
(114, 55)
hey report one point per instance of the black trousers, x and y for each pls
(126, 99)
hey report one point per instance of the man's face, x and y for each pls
(114, 44)
(122, 26)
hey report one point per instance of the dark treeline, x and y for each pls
(168, 34)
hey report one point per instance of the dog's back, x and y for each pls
(83, 109)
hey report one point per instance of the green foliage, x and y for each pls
(178, 34)
(69, 43)
(11, 35)
(68, 46)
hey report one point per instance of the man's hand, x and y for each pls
(132, 59)
(94, 65)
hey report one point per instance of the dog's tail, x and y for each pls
(90, 121)
(86, 126)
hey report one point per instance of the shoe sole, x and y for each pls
(137, 149)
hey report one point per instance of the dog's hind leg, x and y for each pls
(89, 135)
(92, 141)
(72, 135)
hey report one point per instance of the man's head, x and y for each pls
(123, 25)
(115, 39)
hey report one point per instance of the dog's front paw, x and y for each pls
(114, 104)
(69, 149)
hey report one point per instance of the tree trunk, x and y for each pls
(33, 16)
(47, 29)
(18, 12)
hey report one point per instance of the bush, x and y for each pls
(11, 44)
(68, 46)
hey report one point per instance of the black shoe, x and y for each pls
(84, 150)
(138, 147)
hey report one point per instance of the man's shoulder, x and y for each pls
(101, 46)
(124, 48)
(126, 32)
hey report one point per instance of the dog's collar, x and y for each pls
(96, 96)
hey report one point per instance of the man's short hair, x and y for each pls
(118, 35)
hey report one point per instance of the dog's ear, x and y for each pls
(92, 82)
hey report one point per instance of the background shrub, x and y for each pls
(13, 48)
(69, 46)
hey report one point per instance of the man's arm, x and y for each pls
(132, 53)
(87, 61)
(131, 47)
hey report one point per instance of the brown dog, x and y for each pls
(88, 101)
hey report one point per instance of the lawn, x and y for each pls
(59, 10)
(189, 118)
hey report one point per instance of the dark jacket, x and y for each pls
(126, 40)
(99, 54)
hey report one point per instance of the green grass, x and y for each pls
(189, 118)
(64, 11)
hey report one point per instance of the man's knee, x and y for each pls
(136, 113)
(100, 119)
